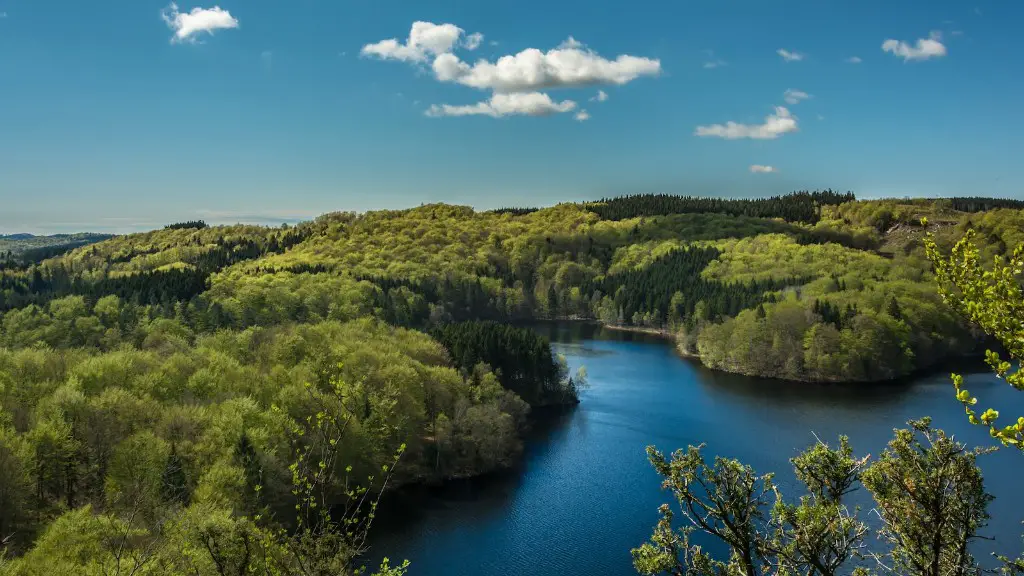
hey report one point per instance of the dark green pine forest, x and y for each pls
(235, 399)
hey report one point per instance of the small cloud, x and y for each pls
(493, 42)
(187, 26)
(957, 32)
(820, 117)
(775, 125)
(473, 41)
(425, 39)
(601, 96)
(789, 56)
(977, 11)
(795, 96)
(854, 60)
(342, 54)
(3, 14)
(499, 105)
(923, 49)
(582, 116)
(267, 56)
(759, 169)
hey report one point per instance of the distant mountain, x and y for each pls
(20, 243)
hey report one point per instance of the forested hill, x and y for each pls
(808, 286)
(186, 371)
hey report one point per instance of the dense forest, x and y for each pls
(165, 390)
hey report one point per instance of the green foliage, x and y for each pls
(927, 488)
(521, 357)
(993, 299)
(795, 207)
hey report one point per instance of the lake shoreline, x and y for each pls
(665, 334)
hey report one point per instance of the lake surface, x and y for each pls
(585, 493)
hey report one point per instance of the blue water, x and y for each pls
(585, 493)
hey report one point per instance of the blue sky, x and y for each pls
(126, 114)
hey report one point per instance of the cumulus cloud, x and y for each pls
(923, 49)
(474, 40)
(499, 105)
(789, 56)
(582, 116)
(854, 60)
(517, 82)
(425, 39)
(571, 64)
(795, 96)
(190, 24)
(759, 169)
(775, 125)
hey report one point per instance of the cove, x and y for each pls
(585, 494)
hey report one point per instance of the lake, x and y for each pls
(585, 493)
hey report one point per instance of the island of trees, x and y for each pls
(234, 399)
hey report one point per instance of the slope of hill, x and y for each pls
(828, 288)
(19, 243)
(221, 349)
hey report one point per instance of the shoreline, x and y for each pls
(665, 334)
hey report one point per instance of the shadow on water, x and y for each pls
(403, 511)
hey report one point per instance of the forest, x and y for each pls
(176, 400)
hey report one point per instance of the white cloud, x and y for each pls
(759, 169)
(795, 96)
(923, 49)
(3, 14)
(789, 56)
(582, 116)
(519, 104)
(474, 40)
(854, 60)
(775, 125)
(516, 81)
(425, 39)
(712, 64)
(569, 65)
(820, 117)
(187, 26)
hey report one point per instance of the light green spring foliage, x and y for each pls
(927, 488)
(991, 297)
(139, 534)
(159, 249)
(84, 427)
(789, 341)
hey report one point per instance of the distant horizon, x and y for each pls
(219, 218)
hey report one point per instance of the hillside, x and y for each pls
(30, 248)
(806, 287)
(186, 370)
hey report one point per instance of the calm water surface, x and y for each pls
(585, 493)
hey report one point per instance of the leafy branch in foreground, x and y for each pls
(928, 491)
(992, 299)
